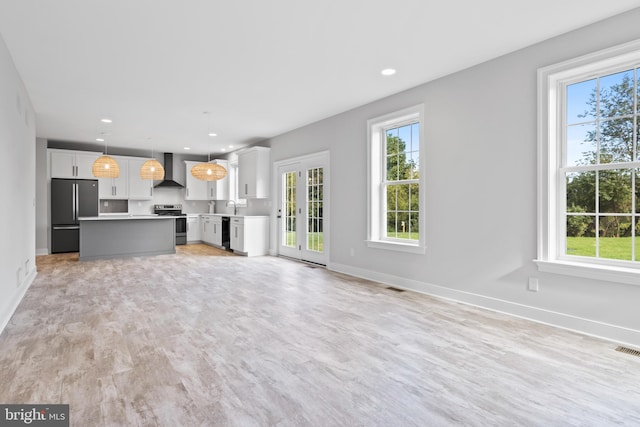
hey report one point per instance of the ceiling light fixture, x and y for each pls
(100, 139)
(106, 121)
(213, 134)
(388, 72)
(152, 169)
(187, 148)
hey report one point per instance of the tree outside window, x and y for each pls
(401, 186)
(602, 176)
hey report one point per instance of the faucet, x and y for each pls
(235, 208)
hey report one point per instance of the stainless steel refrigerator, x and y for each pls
(70, 199)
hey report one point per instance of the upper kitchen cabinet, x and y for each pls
(72, 164)
(139, 189)
(219, 190)
(195, 189)
(253, 173)
(116, 188)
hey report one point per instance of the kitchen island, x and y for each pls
(117, 236)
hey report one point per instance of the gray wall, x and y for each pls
(481, 141)
(18, 195)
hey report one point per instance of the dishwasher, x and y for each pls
(226, 232)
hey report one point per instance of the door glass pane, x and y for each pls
(289, 224)
(315, 236)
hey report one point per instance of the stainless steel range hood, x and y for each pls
(168, 173)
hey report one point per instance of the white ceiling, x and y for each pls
(259, 67)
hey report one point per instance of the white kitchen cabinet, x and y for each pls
(194, 229)
(212, 229)
(72, 164)
(253, 173)
(219, 190)
(250, 235)
(195, 189)
(139, 189)
(207, 228)
(216, 222)
(116, 188)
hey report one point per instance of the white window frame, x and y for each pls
(376, 171)
(552, 82)
(233, 183)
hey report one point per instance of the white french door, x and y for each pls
(303, 208)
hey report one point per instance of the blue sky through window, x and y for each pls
(581, 120)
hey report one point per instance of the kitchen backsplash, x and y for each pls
(114, 206)
(174, 196)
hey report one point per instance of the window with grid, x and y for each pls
(593, 166)
(600, 167)
(401, 184)
(396, 186)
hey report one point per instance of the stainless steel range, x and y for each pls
(181, 220)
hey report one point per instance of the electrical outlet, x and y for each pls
(105, 204)
(18, 277)
(533, 284)
(26, 267)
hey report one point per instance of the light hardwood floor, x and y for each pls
(200, 339)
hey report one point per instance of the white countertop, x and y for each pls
(231, 215)
(124, 217)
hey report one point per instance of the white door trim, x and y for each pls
(318, 159)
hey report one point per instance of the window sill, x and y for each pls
(630, 276)
(399, 247)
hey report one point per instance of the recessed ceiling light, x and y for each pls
(106, 121)
(187, 148)
(213, 134)
(100, 139)
(388, 72)
(231, 146)
(224, 149)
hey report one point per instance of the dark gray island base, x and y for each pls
(126, 236)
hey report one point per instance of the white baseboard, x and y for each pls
(10, 308)
(581, 325)
(42, 251)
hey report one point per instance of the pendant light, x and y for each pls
(152, 169)
(208, 171)
(105, 166)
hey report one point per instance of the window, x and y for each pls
(396, 202)
(233, 184)
(589, 198)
